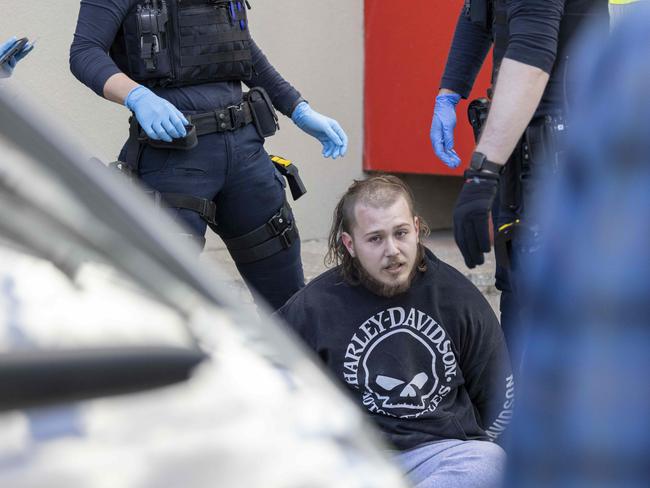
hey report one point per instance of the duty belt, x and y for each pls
(222, 120)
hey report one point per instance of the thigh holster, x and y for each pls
(277, 234)
(274, 236)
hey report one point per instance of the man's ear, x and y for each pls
(346, 239)
(416, 222)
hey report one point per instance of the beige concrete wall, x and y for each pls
(316, 44)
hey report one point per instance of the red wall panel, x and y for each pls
(406, 46)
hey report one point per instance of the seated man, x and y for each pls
(413, 340)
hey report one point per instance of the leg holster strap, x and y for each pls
(204, 207)
(274, 236)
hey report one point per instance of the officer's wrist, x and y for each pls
(448, 95)
(134, 95)
(481, 176)
(447, 91)
(299, 111)
(294, 106)
(479, 163)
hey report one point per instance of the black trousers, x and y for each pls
(233, 170)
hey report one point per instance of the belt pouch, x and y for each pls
(264, 117)
(189, 141)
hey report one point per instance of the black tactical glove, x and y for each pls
(471, 215)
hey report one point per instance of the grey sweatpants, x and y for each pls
(454, 464)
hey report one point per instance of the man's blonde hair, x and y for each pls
(378, 191)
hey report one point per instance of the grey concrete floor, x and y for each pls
(313, 252)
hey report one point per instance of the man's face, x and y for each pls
(384, 242)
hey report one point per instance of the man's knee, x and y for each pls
(454, 463)
(488, 462)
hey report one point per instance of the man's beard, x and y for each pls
(384, 289)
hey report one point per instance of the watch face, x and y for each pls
(477, 161)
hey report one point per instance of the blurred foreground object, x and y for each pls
(97, 299)
(584, 411)
(619, 9)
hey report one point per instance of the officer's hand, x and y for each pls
(7, 68)
(442, 128)
(157, 117)
(326, 130)
(471, 216)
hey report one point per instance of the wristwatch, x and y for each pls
(480, 162)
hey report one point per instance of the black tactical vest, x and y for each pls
(184, 42)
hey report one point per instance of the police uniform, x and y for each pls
(537, 33)
(196, 54)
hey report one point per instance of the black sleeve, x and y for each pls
(294, 314)
(487, 370)
(534, 27)
(97, 24)
(284, 96)
(469, 48)
(492, 390)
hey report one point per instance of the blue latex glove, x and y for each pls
(442, 128)
(7, 68)
(326, 130)
(157, 117)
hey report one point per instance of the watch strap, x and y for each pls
(480, 162)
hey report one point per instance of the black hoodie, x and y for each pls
(427, 365)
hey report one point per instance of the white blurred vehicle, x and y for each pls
(123, 363)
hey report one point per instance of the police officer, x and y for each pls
(521, 138)
(474, 35)
(179, 67)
